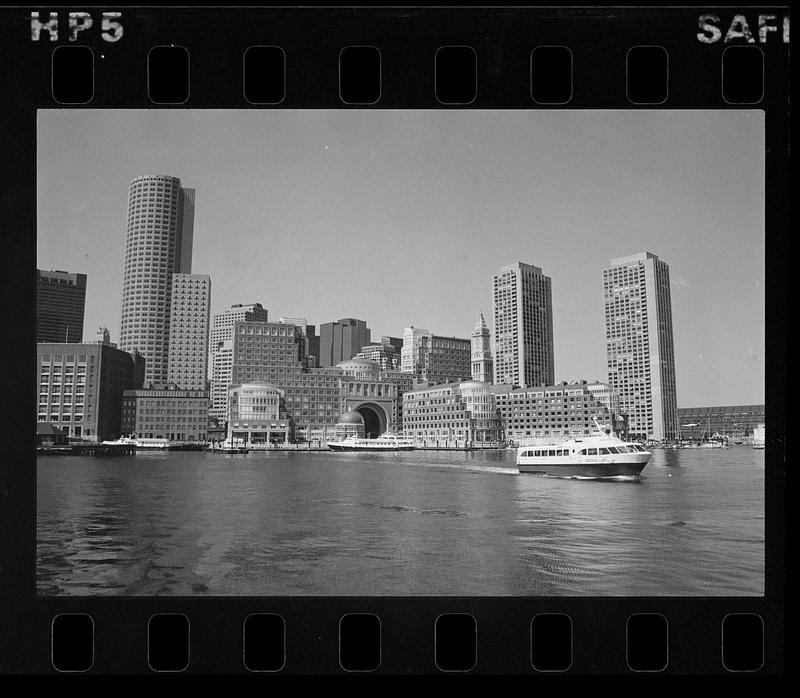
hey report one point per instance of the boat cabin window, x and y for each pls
(582, 452)
(604, 452)
(551, 453)
(641, 449)
(592, 451)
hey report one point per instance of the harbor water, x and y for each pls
(398, 524)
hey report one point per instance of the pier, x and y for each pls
(87, 449)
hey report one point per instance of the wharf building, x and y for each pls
(482, 361)
(165, 411)
(81, 387)
(159, 233)
(639, 344)
(187, 364)
(60, 304)
(341, 340)
(314, 398)
(257, 414)
(557, 411)
(734, 421)
(433, 359)
(523, 326)
(350, 424)
(458, 414)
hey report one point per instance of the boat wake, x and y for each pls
(607, 478)
(474, 468)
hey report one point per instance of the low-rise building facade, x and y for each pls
(462, 413)
(164, 411)
(81, 387)
(564, 410)
(734, 421)
(257, 414)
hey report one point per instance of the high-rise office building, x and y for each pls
(60, 303)
(187, 364)
(435, 359)
(396, 342)
(222, 326)
(639, 346)
(311, 346)
(384, 354)
(220, 351)
(159, 234)
(482, 361)
(523, 326)
(342, 340)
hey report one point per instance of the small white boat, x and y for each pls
(385, 442)
(598, 455)
(759, 432)
(121, 441)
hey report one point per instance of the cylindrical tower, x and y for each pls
(158, 243)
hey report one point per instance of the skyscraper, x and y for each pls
(341, 340)
(433, 358)
(482, 361)
(158, 244)
(187, 364)
(60, 302)
(222, 325)
(523, 326)
(639, 347)
(220, 352)
(311, 350)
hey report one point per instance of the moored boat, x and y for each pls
(121, 441)
(384, 442)
(161, 444)
(759, 438)
(598, 455)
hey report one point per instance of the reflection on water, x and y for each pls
(420, 523)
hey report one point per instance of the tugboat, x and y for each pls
(598, 455)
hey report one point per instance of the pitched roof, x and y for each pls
(46, 428)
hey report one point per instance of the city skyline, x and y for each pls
(444, 282)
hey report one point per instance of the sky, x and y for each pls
(401, 217)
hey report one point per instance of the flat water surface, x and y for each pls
(401, 524)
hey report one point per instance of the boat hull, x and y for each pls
(584, 470)
(338, 447)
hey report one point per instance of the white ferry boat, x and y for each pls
(161, 444)
(598, 455)
(121, 441)
(385, 442)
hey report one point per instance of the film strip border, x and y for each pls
(473, 58)
(380, 636)
(574, 58)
